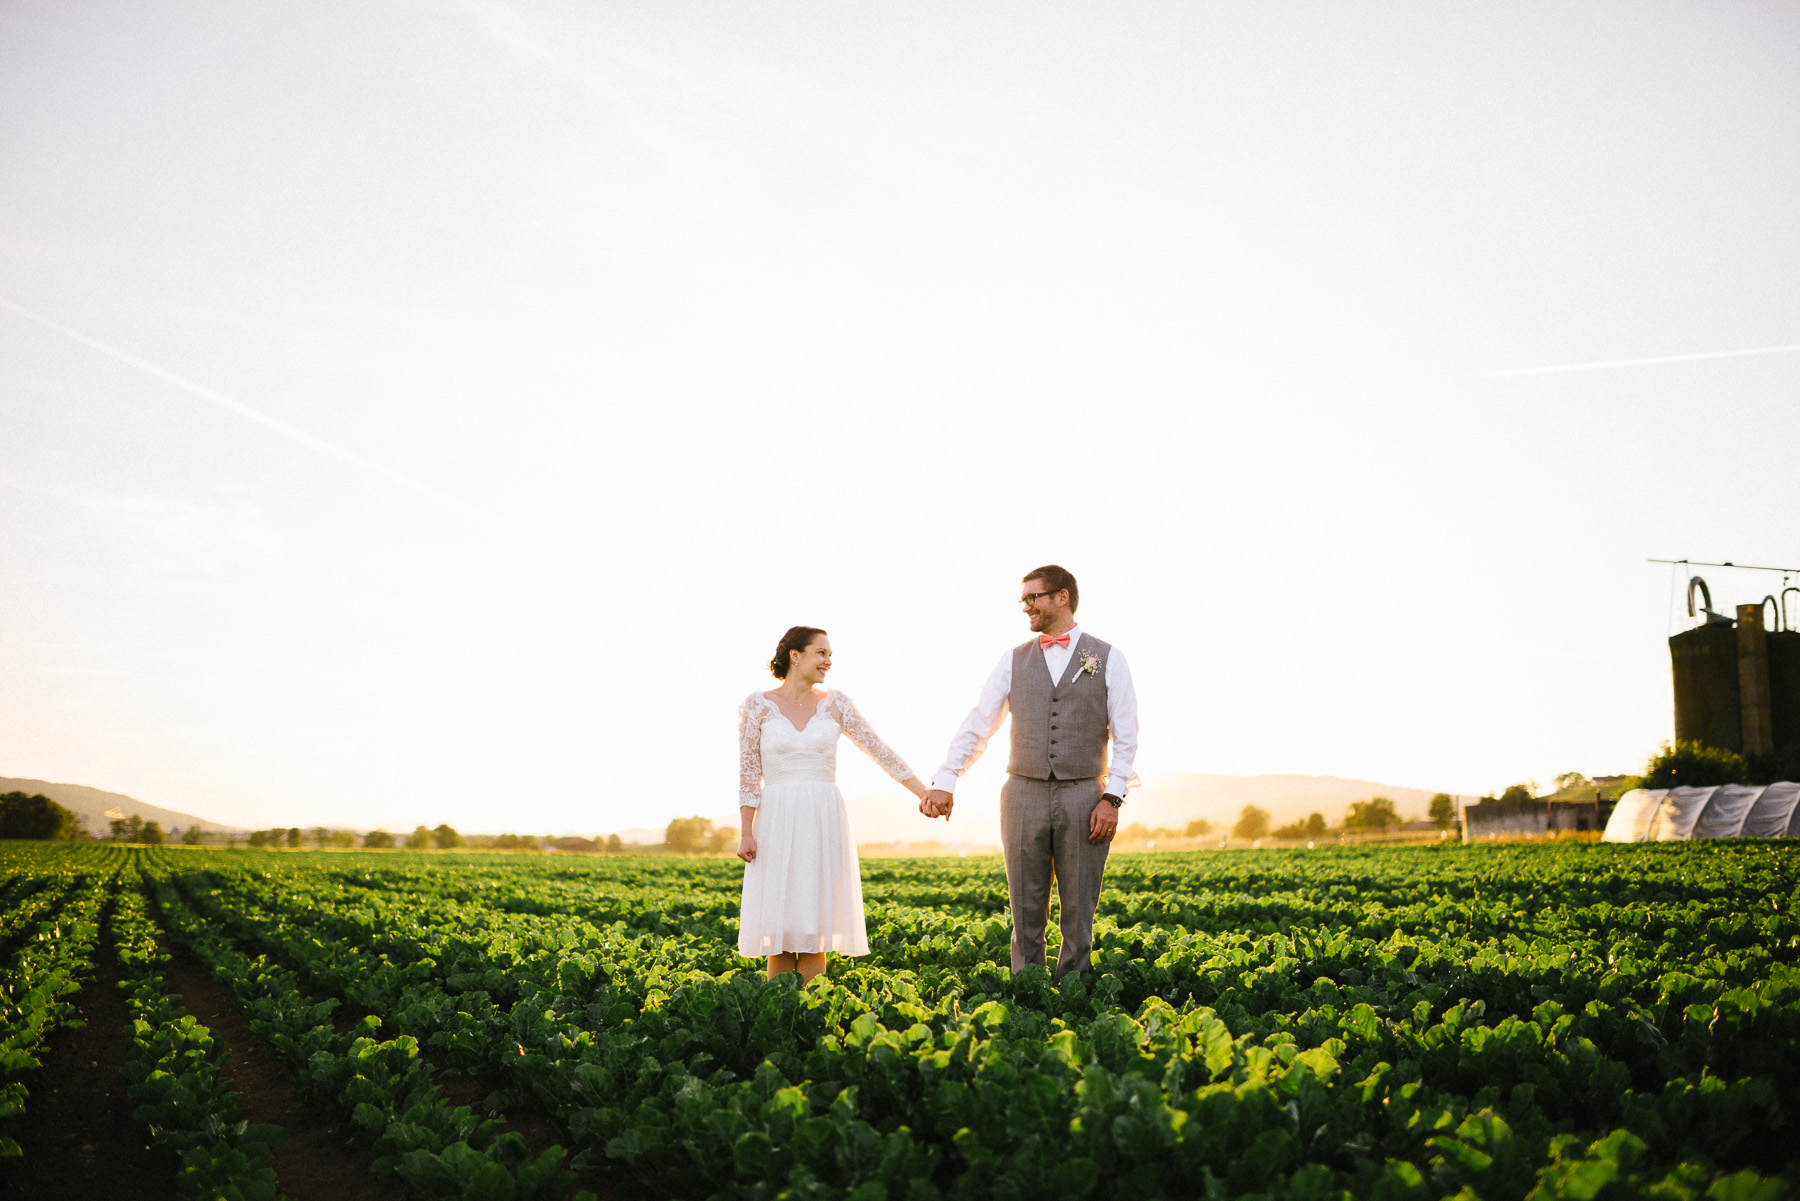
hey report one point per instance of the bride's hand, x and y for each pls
(747, 848)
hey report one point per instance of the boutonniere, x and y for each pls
(1090, 664)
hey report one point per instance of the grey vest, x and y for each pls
(1059, 726)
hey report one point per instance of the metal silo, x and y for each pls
(1705, 663)
(1784, 689)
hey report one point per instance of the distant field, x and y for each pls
(1561, 1020)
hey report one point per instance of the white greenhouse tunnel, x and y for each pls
(1722, 811)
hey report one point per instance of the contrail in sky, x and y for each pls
(1666, 358)
(291, 432)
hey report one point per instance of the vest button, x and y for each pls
(1053, 742)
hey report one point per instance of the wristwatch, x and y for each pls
(1114, 801)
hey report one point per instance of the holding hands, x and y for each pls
(937, 803)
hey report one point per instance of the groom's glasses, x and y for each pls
(1030, 597)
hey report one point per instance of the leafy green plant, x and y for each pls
(1557, 1020)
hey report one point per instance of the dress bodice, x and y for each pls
(772, 751)
(806, 754)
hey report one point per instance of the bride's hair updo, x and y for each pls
(796, 639)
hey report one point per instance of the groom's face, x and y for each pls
(1042, 610)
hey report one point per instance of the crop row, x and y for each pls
(50, 937)
(176, 1072)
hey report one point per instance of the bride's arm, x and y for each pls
(749, 754)
(749, 776)
(857, 729)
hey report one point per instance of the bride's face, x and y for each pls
(811, 664)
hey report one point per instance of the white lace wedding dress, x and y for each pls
(804, 890)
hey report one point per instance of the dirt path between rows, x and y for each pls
(320, 1161)
(78, 1136)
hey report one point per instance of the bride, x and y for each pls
(802, 889)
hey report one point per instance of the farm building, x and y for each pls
(1538, 817)
(1725, 811)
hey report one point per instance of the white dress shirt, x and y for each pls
(996, 699)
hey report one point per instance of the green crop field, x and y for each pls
(1573, 1020)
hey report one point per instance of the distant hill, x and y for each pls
(91, 806)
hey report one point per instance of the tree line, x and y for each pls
(442, 837)
(1377, 815)
(37, 817)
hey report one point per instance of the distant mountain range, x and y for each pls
(1177, 800)
(96, 808)
(1167, 801)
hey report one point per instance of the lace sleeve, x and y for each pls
(858, 730)
(750, 752)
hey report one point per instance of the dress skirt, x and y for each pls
(804, 891)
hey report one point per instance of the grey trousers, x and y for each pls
(1044, 836)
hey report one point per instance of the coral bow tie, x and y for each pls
(1045, 641)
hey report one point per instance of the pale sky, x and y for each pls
(422, 412)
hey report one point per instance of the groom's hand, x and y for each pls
(937, 803)
(1103, 822)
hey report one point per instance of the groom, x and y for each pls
(1067, 691)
